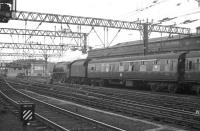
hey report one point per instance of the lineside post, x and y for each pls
(145, 38)
(27, 113)
(84, 48)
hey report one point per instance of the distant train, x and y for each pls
(170, 71)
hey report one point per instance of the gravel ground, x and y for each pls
(127, 123)
(9, 121)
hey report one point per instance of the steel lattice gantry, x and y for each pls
(41, 33)
(29, 55)
(36, 46)
(89, 21)
(145, 28)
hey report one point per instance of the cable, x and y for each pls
(154, 3)
(167, 19)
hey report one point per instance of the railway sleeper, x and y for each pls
(41, 128)
(183, 122)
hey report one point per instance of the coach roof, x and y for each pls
(132, 58)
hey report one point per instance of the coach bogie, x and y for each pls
(129, 83)
(195, 89)
(153, 86)
(103, 82)
(163, 86)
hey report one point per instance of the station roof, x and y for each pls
(152, 40)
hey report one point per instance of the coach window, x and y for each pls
(167, 62)
(104, 67)
(121, 67)
(155, 62)
(198, 65)
(156, 67)
(98, 67)
(107, 67)
(131, 66)
(190, 65)
(110, 67)
(92, 68)
(172, 65)
(113, 67)
(126, 66)
(167, 65)
(142, 66)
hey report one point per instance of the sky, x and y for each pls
(127, 10)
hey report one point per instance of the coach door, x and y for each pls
(181, 67)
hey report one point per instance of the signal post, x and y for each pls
(27, 113)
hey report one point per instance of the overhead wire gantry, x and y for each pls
(89, 21)
(41, 46)
(36, 46)
(29, 55)
(15, 31)
(144, 27)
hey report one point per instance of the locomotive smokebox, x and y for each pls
(198, 30)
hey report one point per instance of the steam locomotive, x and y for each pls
(171, 72)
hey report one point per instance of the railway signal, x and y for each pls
(27, 112)
(6, 8)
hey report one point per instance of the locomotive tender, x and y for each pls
(170, 71)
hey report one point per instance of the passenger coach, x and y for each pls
(170, 71)
(152, 70)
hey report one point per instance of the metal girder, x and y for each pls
(41, 33)
(28, 55)
(36, 46)
(89, 21)
(6, 1)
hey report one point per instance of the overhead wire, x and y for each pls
(166, 19)
(187, 21)
(136, 11)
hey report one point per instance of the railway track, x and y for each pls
(117, 104)
(55, 117)
(180, 102)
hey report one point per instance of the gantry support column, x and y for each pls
(46, 58)
(84, 50)
(145, 38)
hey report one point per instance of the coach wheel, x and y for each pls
(93, 83)
(154, 88)
(198, 91)
(172, 89)
(102, 83)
